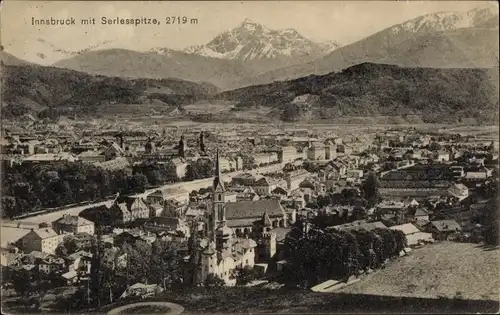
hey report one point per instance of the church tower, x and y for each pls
(202, 142)
(182, 147)
(218, 214)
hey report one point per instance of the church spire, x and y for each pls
(218, 179)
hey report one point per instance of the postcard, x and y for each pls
(225, 157)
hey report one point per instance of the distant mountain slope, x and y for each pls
(31, 88)
(163, 63)
(470, 40)
(45, 53)
(436, 95)
(9, 59)
(244, 51)
(462, 48)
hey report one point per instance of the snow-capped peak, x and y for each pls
(443, 21)
(46, 53)
(254, 41)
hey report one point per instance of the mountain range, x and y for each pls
(445, 39)
(252, 54)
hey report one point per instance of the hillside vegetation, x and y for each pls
(435, 95)
(38, 89)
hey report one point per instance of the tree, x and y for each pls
(370, 188)
(194, 258)
(137, 183)
(490, 232)
(390, 247)
(198, 169)
(165, 264)
(213, 281)
(358, 213)
(61, 250)
(434, 146)
(245, 275)
(401, 241)
(43, 225)
(9, 207)
(21, 280)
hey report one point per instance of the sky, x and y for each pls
(341, 21)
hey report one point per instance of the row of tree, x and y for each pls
(29, 188)
(157, 173)
(317, 255)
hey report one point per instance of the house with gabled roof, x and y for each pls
(114, 151)
(442, 229)
(43, 240)
(413, 235)
(73, 224)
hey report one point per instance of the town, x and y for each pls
(101, 212)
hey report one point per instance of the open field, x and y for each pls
(205, 107)
(441, 270)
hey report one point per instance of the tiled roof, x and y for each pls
(406, 228)
(246, 243)
(254, 209)
(446, 225)
(115, 164)
(280, 233)
(45, 233)
(73, 220)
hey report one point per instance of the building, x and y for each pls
(245, 179)
(266, 185)
(442, 229)
(73, 224)
(91, 157)
(442, 156)
(114, 151)
(241, 215)
(223, 252)
(289, 154)
(228, 165)
(176, 193)
(137, 207)
(48, 158)
(421, 216)
(180, 166)
(316, 152)
(294, 178)
(265, 158)
(418, 180)
(330, 152)
(42, 240)
(116, 164)
(459, 191)
(413, 234)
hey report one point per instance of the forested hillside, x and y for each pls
(436, 95)
(38, 89)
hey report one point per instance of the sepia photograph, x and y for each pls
(249, 157)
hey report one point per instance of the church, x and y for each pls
(223, 251)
